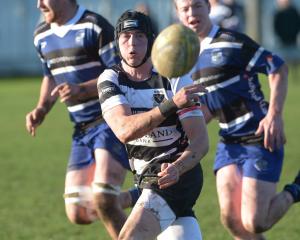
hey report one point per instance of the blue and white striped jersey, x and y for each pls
(228, 65)
(75, 53)
(168, 138)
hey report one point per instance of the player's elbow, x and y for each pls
(283, 71)
(203, 144)
(124, 136)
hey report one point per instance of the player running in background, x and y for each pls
(250, 153)
(164, 132)
(75, 45)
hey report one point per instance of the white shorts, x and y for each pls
(151, 200)
(182, 228)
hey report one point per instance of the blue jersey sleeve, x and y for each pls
(260, 60)
(45, 68)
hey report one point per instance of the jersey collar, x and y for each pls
(206, 41)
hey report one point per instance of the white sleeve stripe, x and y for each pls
(253, 61)
(112, 102)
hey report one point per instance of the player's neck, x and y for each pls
(140, 73)
(70, 12)
(203, 34)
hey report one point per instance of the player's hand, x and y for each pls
(272, 128)
(188, 96)
(168, 176)
(34, 119)
(67, 92)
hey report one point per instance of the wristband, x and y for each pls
(167, 108)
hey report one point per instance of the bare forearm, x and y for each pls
(46, 101)
(190, 157)
(138, 125)
(278, 85)
(195, 129)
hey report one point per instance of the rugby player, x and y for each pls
(164, 131)
(75, 45)
(250, 153)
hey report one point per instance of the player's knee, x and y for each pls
(105, 202)
(231, 222)
(78, 215)
(79, 205)
(254, 225)
(106, 198)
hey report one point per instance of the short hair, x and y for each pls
(177, 0)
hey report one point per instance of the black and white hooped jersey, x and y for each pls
(228, 65)
(168, 138)
(76, 52)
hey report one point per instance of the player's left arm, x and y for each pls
(195, 129)
(272, 125)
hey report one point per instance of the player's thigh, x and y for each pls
(150, 215)
(256, 199)
(108, 169)
(80, 177)
(141, 224)
(229, 184)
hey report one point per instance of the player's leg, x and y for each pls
(183, 228)
(262, 207)
(229, 188)
(78, 191)
(79, 196)
(108, 179)
(150, 215)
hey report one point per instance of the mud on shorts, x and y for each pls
(85, 141)
(253, 160)
(182, 196)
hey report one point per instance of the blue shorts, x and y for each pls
(85, 142)
(253, 160)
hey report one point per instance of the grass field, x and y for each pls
(32, 172)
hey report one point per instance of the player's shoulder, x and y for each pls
(111, 74)
(228, 35)
(95, 18)
(40, 28)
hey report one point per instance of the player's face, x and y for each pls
(133, 47)
(195, 15)
(52, 10)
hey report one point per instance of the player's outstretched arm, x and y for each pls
(128, 127)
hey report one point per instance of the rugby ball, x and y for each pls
(175, 51)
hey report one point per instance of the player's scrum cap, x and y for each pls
(134, 20)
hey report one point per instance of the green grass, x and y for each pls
(32, 172)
